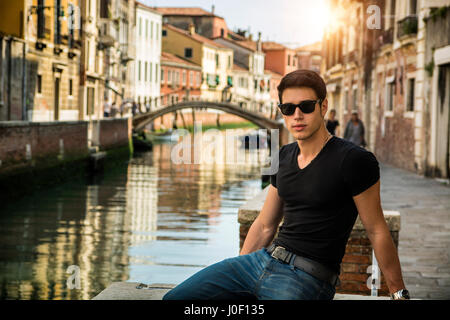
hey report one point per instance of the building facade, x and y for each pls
(215, 59)
(180, 80)
(147, 64)
(39, 60)
(205, 23)
(382, 64)
(279, 59)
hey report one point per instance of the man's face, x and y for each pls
(303, 125)
(354, 117)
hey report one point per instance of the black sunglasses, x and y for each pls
(306, 106)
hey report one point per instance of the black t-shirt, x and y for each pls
(319, 211)
(331, 126)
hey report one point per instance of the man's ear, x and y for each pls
(324, 107)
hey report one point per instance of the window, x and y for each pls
(191, 79)
(156, 72)
(146, 28)
(164, 33)
(151, 30)
(184, 77)
(217, 60)
(39, 83)
(355, 99)
(410, 98)
(151, 72)
(289, 59)
(157, 31)
(412, 7)
(188, 52)
(145, 72)
(70, 87)
(140, 26)
(169, 76)
(139, 70)
(390, 96)
(41, 19)
(162, 75)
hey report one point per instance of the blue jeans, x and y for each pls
(252, 276)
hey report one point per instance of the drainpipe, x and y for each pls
(8, 87)
(24, 82)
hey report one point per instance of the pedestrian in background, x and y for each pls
(332, 123)
(106, 109)
(354, 131)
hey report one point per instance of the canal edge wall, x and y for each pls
(35, 155)
(358, 253)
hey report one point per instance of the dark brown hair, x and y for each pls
(303, 78)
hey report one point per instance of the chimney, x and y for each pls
(259, 47)
(191, 29)
(212, 9)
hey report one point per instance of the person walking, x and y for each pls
(323, 182)
(332, 123)
(354, 131)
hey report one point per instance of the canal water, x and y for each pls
(149, 219)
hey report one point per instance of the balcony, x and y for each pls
(407, 26)
(108, 33)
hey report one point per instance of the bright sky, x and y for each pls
(293, 23)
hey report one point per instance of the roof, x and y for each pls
(275, 74)
(239, 68)
(246, 44)
(152, 9)
(185, 11)
(168, 57)
(316, 46)
(196, 36)
(270, 45)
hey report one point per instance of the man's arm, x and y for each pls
(265, 226)
(369, 208)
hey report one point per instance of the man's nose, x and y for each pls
(298, 113)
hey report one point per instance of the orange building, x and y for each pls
(180, 79)
(279, 58)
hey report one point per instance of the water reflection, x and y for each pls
(149, 220)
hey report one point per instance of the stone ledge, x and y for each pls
(155, 291)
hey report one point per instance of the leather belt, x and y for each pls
(312, 267)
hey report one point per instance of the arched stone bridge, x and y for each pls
(141, 120)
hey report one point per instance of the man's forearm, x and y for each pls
(257, 237)
(388, 260)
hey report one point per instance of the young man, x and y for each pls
(323, 182)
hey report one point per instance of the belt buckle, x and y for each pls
(280, 253)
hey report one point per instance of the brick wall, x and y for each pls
(24, 144)
(358, 258)
(114, 133)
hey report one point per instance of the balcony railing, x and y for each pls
(407, 26)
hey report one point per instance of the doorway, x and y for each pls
(443, 122)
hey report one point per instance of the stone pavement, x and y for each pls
(424, 239)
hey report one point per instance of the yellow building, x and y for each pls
(40, 54)
(215, 59)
